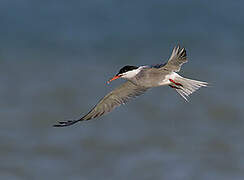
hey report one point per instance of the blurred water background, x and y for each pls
(55, 57)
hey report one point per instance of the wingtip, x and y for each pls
(179, 51)
(66, 123)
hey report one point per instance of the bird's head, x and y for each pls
(127, 72)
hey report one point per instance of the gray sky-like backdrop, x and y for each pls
(55, 57)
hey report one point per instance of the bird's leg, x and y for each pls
(172, 86)
(177, 84)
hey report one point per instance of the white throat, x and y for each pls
(132, 73)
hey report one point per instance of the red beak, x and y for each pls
(115, 77)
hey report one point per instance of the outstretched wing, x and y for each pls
(177, 58)
(115, 98)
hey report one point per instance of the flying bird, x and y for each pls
(139, 80)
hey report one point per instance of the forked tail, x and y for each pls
(185, 86)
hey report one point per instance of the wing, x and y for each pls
(177, 58)
(115, 98)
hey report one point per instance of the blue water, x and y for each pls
(55, 59)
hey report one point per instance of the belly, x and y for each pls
(153, 80)
(153, 77)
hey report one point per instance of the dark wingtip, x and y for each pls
(66, 123)
(183, 53)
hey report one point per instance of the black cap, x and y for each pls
(126, 69)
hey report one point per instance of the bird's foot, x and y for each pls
(177, 84)
(172, 86)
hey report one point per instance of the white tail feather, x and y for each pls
(188, 86)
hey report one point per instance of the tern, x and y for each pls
(139, 80)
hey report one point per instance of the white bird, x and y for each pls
(140, 79)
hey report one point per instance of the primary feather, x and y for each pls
(115, 98)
